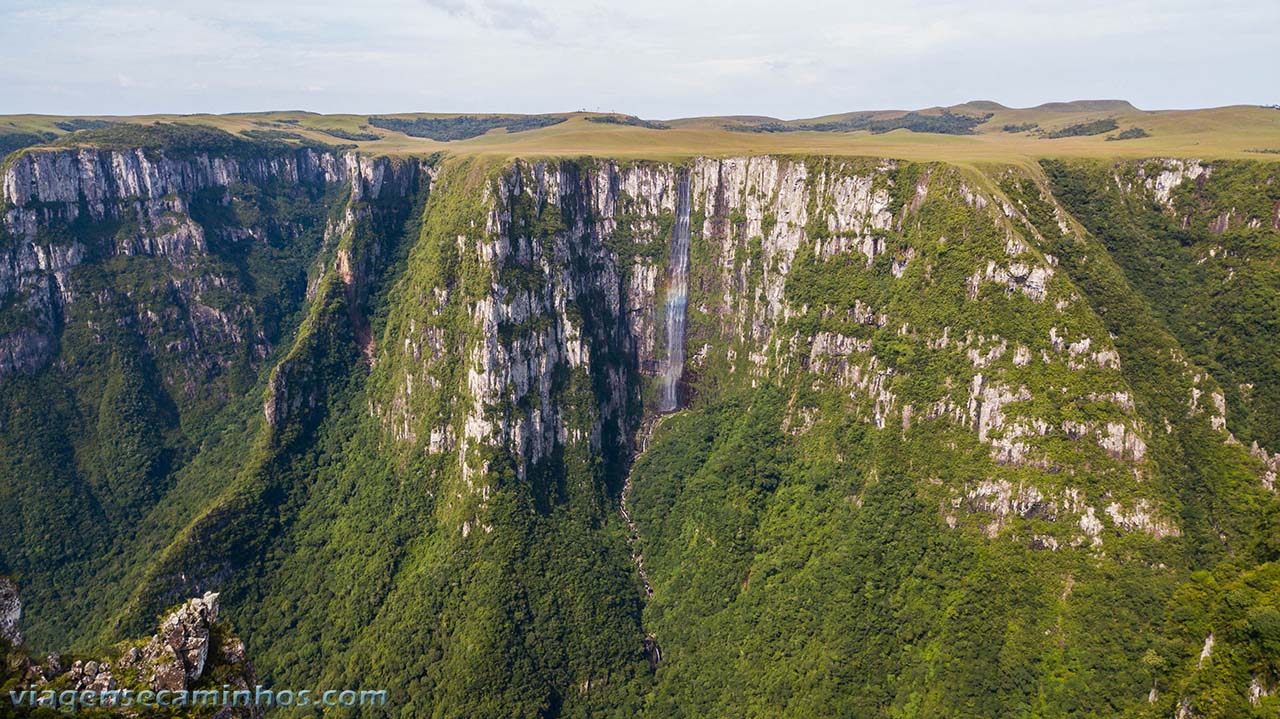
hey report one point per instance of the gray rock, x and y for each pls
(10, 609)
(167, 669)
(177, 654)
(149, 192)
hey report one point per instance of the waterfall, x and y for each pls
(676, 301)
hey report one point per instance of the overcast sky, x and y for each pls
(654, 58)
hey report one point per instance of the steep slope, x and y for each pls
(1200, 242)
(930, 444)
(919, 464)
(144, 291)
(1167, 223)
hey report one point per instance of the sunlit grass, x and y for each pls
(1228, 132)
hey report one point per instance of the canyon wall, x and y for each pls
(373, 397)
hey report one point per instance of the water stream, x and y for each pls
(652, 649)
(674, 307)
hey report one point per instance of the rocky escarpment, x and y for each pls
(572, 253)
(1198, 240)
(450, 432)
(331, 350)
(63, 208)
(176, 658)
(45, 188)
(144, 293)
(361, 238)
(557, 264)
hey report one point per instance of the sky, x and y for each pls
(659, 59)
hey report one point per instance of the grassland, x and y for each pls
(1241, 132)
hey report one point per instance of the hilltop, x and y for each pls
(979, 131)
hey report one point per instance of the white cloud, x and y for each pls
(662, 58)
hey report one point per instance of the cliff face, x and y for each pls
(569, 275)
(1199, 241)
(879, 319)
(142, 293)
(1037, 388)
(928, 418)
(66, 207)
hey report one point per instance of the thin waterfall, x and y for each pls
(676, 302)
(677, 299)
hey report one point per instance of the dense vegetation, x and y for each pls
(353, 135)
(1133, 133)
(182, 140)
(13, 141)
(815, 548)
(629, 120)
(75, 124)
(811, 573)
(461, 127)
(944, 123)
(100, 441)
(1084, 129)
(1230, 594)
(1207, 271)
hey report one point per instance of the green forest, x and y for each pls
(954, 441)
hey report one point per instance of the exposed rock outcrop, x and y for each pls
(10, 612)
(1270, 463)
(174, 659)
(177, 658)
(63, 208)
(1004, 501)
(577, 301)
(1170, 175)
(50, 186)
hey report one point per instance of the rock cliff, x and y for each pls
(150, 289)
(64, 207)
(929, 406)
(562, 294)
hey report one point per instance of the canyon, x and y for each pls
(916, 417)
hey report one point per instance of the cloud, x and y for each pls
(497, 14)
(662, 58)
